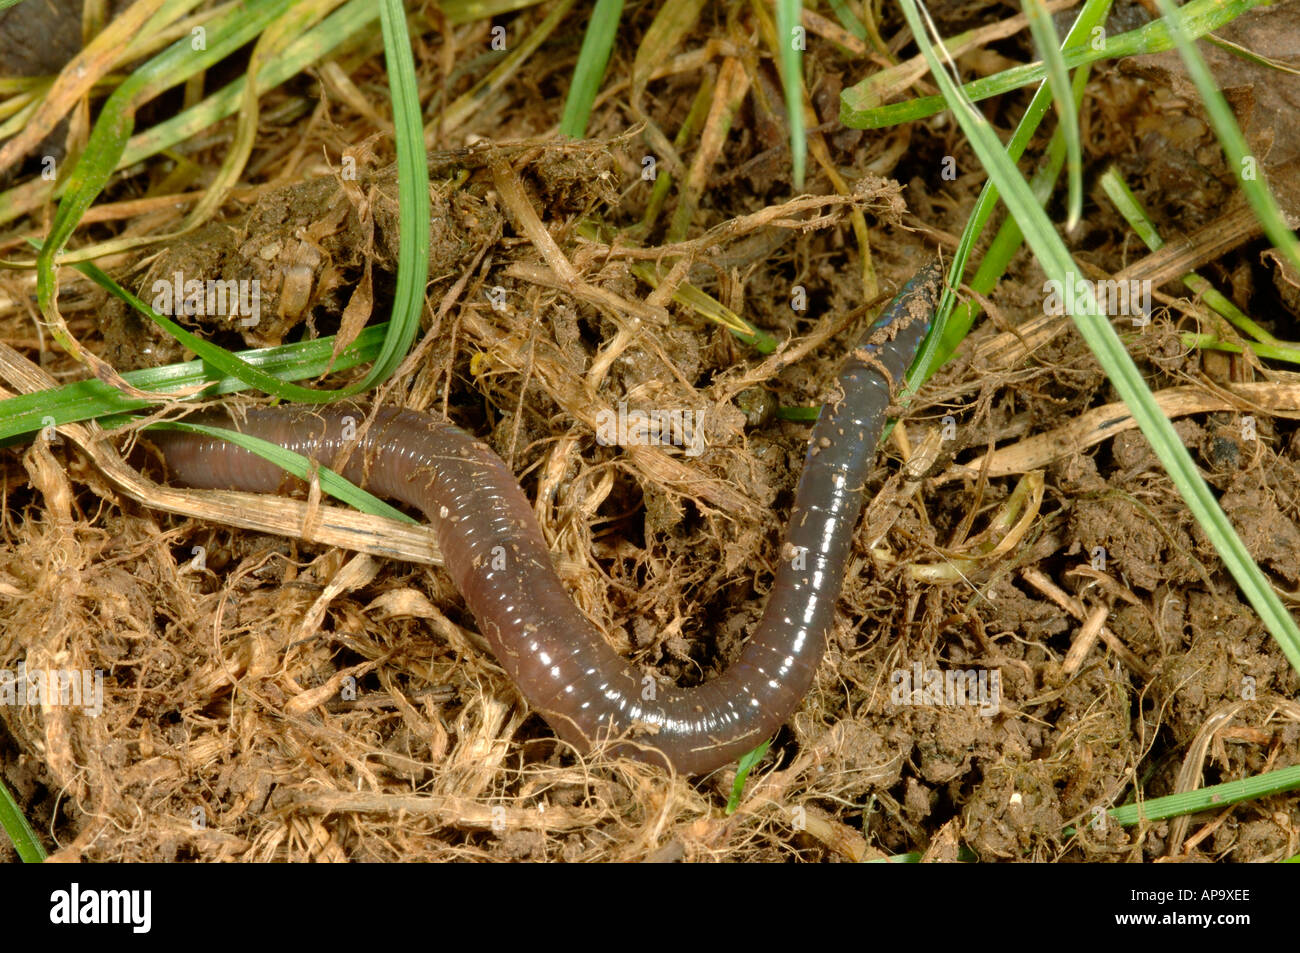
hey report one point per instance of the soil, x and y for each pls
(289, 701)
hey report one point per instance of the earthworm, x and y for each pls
(500, 563)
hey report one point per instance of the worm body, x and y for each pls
(500, 563)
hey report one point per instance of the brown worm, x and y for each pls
(495, 553)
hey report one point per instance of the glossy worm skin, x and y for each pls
(495, 553)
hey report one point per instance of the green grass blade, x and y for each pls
(1127, 204)
(413, 253)
(113, 128)
(412, 199)
(298, 465)
(1213, 798)
(1244, 165)
(1115, 360)
(1058, 81)
(339, 26)
(859, 110)
(602, 31)
(711, 309)
(954, 324)
(217, 356)
(746, 764)
(849, 19)
(15, 825)
(790, 46)
(91, 399)
(1210, 342)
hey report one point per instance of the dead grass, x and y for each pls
(290, 701)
